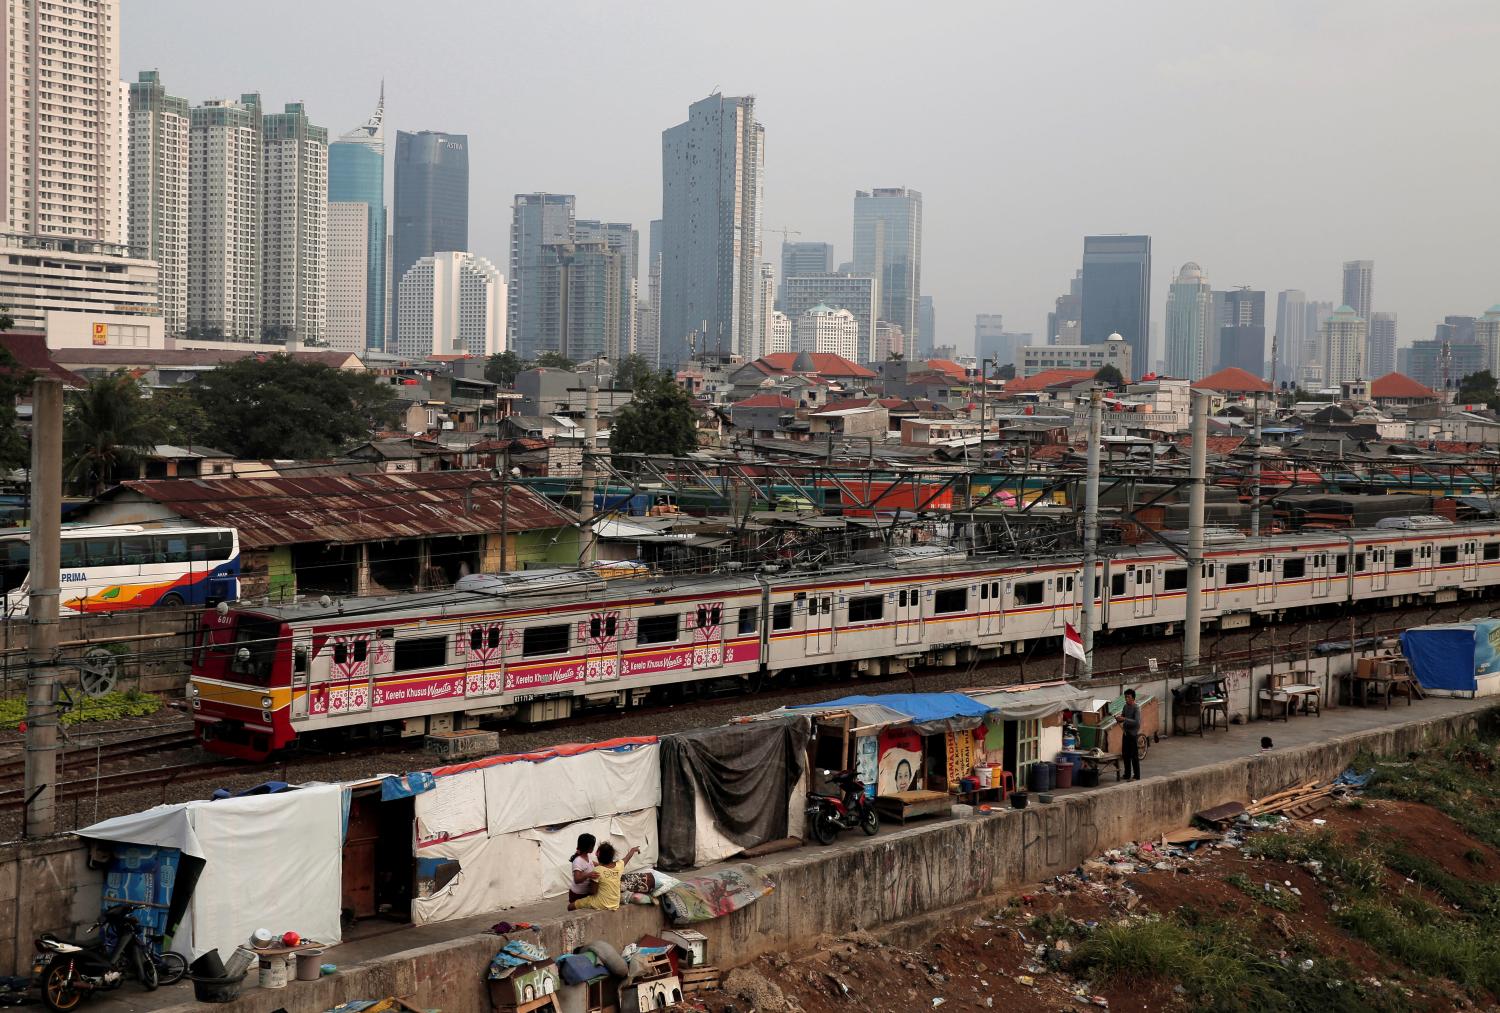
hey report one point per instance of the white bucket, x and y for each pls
(982, 773)
(272, 971)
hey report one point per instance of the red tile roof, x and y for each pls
(949, 368)
(1233, 381)
(1397, 385)
(845, 402)
(826, 363)
(765, 401)
(29, 349)
(1047, 378)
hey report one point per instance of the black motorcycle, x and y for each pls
(70, 970)
(845, 809)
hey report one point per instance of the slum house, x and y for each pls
(357, 534)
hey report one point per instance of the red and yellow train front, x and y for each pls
(240, 687)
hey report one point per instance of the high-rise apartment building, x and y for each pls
(825, 329)
(988, 327)
(1190, 324)
(576, 288)
(780, 339)
(356, 175)
(798, 259)
(122, 166)
(1065, 322)
(1117, 292)
(622, 239)
(767, 307)
(1380, 350)
(888, 248)
(1359, 284)
(1343, 347)
(432, 200)
(294, 227)
(1487, 336)
(62, 113)
(1242, 331)
(158, 202)
(537, 220)
(926, 325)
(648, 339)
(451, 303)
(889, 342)
(1292, 335)
(853, 292)
(348, 276)
(712, 184)
(224, 220)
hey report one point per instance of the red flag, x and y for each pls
(1072, 643)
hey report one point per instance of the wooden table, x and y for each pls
(1094, 761)
(1310, 698)
(1384, 686)
(903, 805)
(980, 795)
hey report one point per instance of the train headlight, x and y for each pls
(265, 703)
(192, 691)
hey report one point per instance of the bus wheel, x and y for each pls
(169, 601)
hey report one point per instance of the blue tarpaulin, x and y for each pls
(1452, 656)
(930, 713)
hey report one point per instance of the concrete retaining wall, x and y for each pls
(45, 886)
(893, 878)
(155, 663)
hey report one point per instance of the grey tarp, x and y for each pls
(867, 716)
(747, 774)
(1027, 703)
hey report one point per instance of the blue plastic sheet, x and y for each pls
(405, 787)
(143, 875)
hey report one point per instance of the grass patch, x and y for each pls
(1473, 897)
(1278, 898)
(1459, 781)
(1423, 938)
(109, 707)
(1057, 926)
(1357, 868)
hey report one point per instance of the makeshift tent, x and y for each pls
(268, 861)
(499, 832)
(1455, 659)
(730, 788)
(928, 713)
(1030, 702)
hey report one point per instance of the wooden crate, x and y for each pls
(699, 979)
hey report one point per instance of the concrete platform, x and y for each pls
(902, 873)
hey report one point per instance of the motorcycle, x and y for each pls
(70, 970)
(850, 807)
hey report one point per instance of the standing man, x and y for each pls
(1130, 726)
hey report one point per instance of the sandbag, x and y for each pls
(576, 969)
(607, 955)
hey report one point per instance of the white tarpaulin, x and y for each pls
(563, 789)
(270, 861)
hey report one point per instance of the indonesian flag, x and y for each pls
(1072, 643)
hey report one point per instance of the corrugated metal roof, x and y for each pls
(353, 508)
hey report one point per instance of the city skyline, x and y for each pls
(1009, 250)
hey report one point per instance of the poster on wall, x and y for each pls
(900, 761)
(867, 762)
(960, 756)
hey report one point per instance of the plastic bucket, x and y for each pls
(1064, 775)
(272, 971)
(309, 965)
(983, 773)
(1018, 800)
(1041, 776)
(216, 990)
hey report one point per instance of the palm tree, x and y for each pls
(107, 429)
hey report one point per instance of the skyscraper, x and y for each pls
(1117, 292)
(576, 294)
(988, 331)
(888, 247)
(1242, 334)
(926, 325)
(356, 174)
(1487, 337)
(798, 259)
(1359, 283)
(712, 178)
(853, 292)
(1291, 332)
(1190, 324)
(1065, 322)
(159, 191)
(537, 220)
(224, 220)
(432, 200)
(61, 107)
(1380, 351)
(1343, 347)
(823, 329)
(620, 238)
(767, 307)
(452, 303)
(348, 276)
(294, 226)
(648, 342)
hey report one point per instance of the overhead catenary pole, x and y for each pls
(1255, 474)
(1090, 533)
(40, 818)
(1198, 469)
(586, 508)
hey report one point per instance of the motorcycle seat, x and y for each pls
(62, 945)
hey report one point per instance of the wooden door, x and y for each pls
(359, 855)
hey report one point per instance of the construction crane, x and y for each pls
(783, 233)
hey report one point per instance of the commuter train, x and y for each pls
(536, 645)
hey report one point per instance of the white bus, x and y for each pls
(127, 566)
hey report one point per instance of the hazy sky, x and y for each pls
(1267, 140)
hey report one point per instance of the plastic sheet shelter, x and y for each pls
(1457, 659)
(269, 861)
(1031, 702)
(499, 832)
(928, 713)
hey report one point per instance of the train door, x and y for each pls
(1209, 587)
(1469, 552)
(1377, 561)
(991, 611)
(301, 675)
(351, 674)
(708, 635)
(1143, 591)
(819, 627)
(482, 646)
(909, 615)
(1319, 574)
(1065, 598)
(1265, 583)
(1425, 563)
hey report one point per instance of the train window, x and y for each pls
(995, 589)
(611, 624)
(747, 619)
(596, 628)
(421, 652)
(951, 599)
(1031, 592)
(1237, 573)
(542, 640)
(656, 629)
(299, 661)
(1448, 554)
(901, 598)
(781, 616)
(340, 654)
(1340, 564)
(1070, 583)
(476, 639)
(1117, 584)
(1293, 568)
(361, 650)
(1173, 580)
(1359, 562)
(1402, 559)
(1492, 550)
(984, 592)
(867, 608)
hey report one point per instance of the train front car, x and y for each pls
(240, 684)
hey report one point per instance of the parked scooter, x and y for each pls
(68, 971)
(827, 814)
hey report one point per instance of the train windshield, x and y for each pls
(254, 646)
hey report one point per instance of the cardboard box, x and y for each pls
(1365, 667)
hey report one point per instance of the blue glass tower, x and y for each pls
(356, 174)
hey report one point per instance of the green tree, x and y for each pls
(1110, 374)
(281, 407)
(502, 367)
(179, 416)
(106, 430)
(658, 420)
(1006, 372)
(1477, 387)
(634, 373)
(554, 360)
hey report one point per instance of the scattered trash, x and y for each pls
(1026, 979)
(937, 1001)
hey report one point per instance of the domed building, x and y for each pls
(1190, 323)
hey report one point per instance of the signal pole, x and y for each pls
(40, 817)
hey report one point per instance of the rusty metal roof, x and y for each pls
(353, 508)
